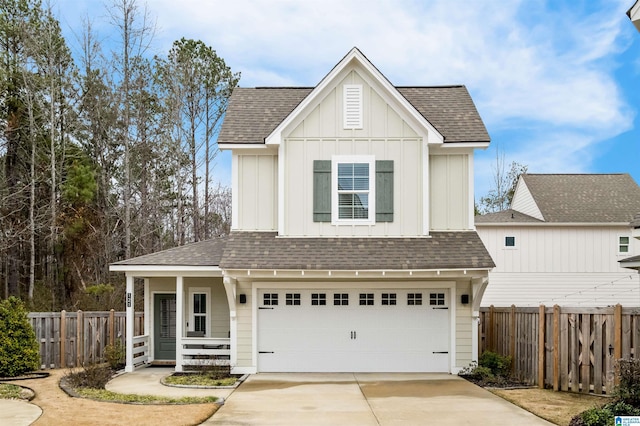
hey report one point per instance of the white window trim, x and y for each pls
(619, 243)
(192, 322)
(339, 159)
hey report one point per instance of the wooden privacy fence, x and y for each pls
(69, 339)
(569, 349)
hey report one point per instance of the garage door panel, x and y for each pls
(359, 336)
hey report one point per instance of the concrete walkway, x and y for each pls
(367, 399)
(146, 381)
(16, 412)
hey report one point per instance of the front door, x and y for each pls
(165, 326)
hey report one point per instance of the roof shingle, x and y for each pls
(203, 253)
(443, 250)
(253, 113)
(585, 198)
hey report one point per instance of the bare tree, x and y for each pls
(503, 185)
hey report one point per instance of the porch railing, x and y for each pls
(140, 349)
(198, 351)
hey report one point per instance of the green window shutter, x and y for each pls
(384, 191)
(322, 190)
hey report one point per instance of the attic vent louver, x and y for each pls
(352, 106)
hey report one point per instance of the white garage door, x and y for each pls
(353, 330)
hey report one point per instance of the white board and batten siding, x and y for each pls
(568, 266)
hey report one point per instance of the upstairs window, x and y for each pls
(623, 245)
(353, 190)
(510, 242)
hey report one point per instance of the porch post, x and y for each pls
(147, 320)
(478, 286)
(179, 321)
(130, 309)
(230, 289)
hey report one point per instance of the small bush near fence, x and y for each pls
(626, 402)
(18, 346)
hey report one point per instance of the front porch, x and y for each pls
(189, 319)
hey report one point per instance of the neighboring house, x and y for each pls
(353, 246)
(634, 14)
(633, 262)
(561, 241)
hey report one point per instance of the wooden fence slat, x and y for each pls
(68, 339)
(569, 348)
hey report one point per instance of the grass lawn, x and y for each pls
(198, 380)
(556, 407)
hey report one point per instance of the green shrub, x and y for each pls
(92, 376)
(498, 364)
(605, 415)
(115, 355)
(628, 390)
(19, 352)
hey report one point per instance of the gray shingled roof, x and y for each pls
(253, 113)
(635, 223)
(505, 216)
(444, 250)
(585, 198)
(203, 253)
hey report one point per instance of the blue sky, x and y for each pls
(556, 82)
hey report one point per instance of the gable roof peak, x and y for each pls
(432, 135)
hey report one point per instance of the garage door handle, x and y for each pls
(265, 352)
(433, 308)
(262, 307)
(443, 352)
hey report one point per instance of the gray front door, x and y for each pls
(165, 326)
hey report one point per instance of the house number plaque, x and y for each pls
(128, 300)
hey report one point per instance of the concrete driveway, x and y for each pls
(366, 399)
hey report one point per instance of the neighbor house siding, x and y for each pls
(257, 192)
(569, 266)
(523, 201)
(449, 189)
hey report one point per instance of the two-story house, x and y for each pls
(562, 242)
(352, 247)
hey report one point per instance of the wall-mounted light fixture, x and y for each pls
(464, 299)
(243, 298)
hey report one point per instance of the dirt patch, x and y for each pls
(556, 407)
(60, 408)
(417, 389)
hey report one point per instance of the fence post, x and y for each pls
(63, 339)
(541, 345)
(79, 339)
(512, 337)
(556, 348)
(112, 328)
(491, 334)
(617, 337)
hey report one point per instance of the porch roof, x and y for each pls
(203, 253)
(441, 250)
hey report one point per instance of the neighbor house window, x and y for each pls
(354, 186)
(509, 241)
(623, 245)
